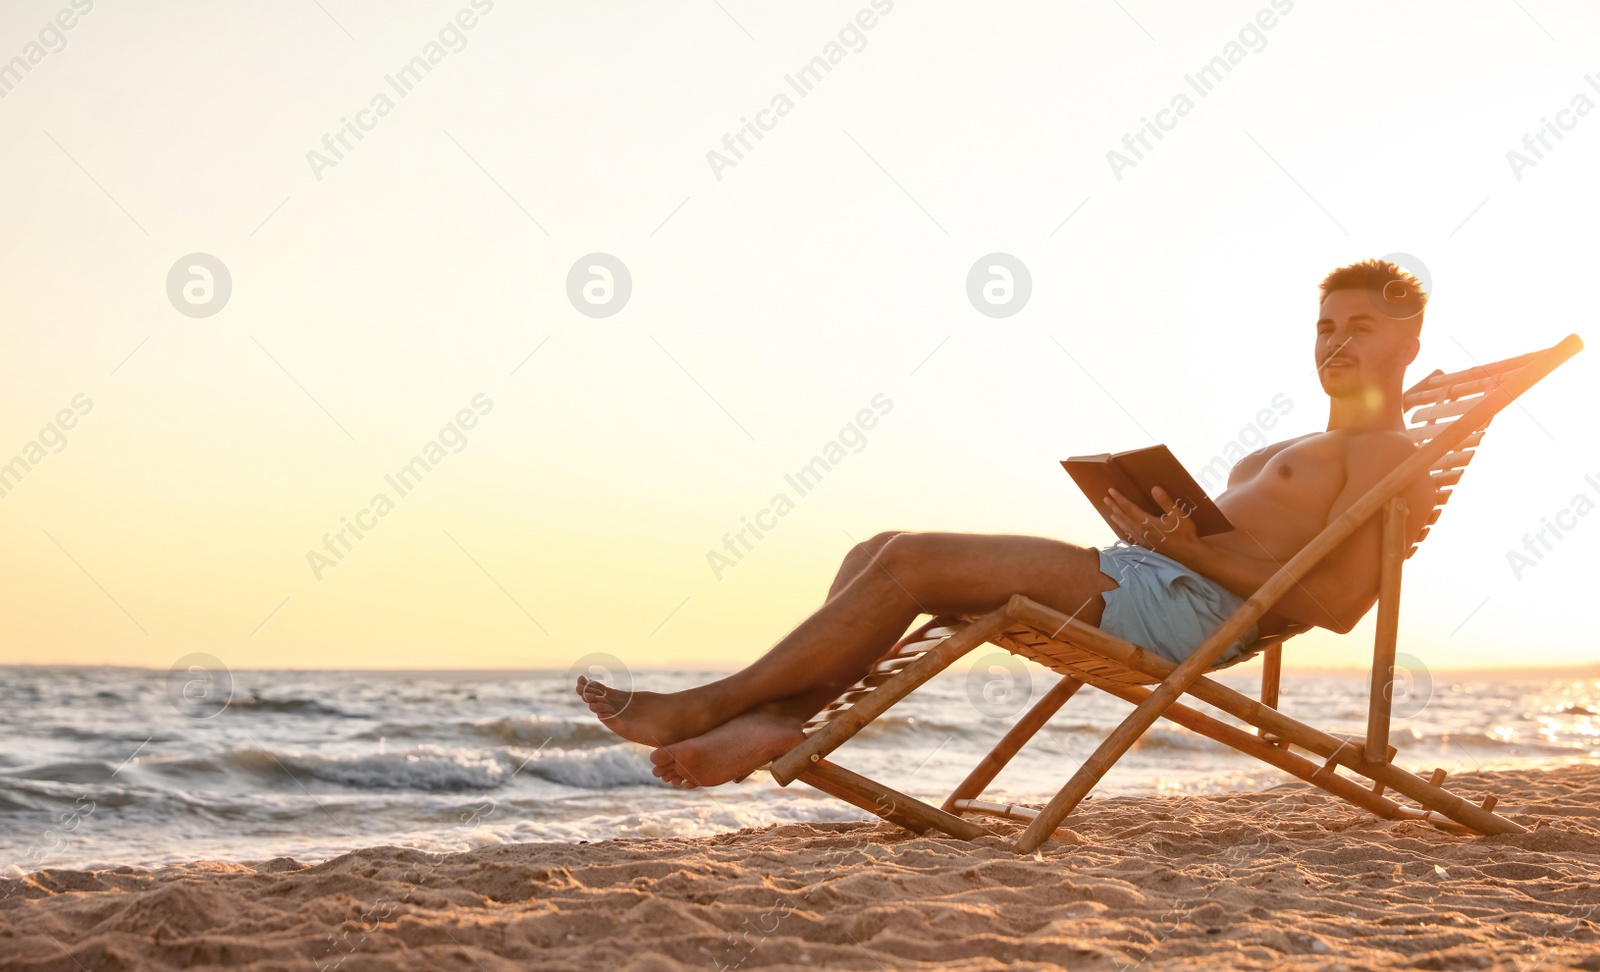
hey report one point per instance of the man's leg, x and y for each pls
(1047, 571)
(907, 575)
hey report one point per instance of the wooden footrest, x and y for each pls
(891, 805)
(1008, 810)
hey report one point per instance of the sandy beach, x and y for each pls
(1283, 878)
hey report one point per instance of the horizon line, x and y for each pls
(1581, 670)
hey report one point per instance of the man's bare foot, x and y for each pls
(731, 751)
(650, 718)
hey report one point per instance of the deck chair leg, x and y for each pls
(1015, 738)
(860, 797)
(1097, 765)
(891, 805)
(1142, 718)
(1296, 765)
(1392, 554)
(1271, 675)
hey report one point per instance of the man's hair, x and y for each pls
(1395, 293)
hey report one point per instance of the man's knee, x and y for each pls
(901, 552)
(873, 545)
(899, 563)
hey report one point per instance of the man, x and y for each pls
(1167, 591)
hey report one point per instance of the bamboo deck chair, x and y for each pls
(1452, 411)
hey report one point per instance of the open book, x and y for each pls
(1134, 473)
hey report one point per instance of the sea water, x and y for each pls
(106, 766)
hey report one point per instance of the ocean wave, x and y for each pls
(572, 733)
(65, 771)
(1475, 742)
(437, 768)
(186, 767)
(698, 819)
(291, 706)
(523, 730)
(1175, 739)
(23, 794)
(597, 769)
(901, 726)
(107, 737)
(422, 768)
(10, 803)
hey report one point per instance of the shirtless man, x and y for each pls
(1167, 591)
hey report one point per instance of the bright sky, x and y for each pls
(379, 290)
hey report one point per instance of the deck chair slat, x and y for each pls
(1067, 659)
(1424, 393)
(1495, 369)
(1459, 459)
(1443, 410)
(1270, 641)
(1423, 434)
(895, 663)
(1474, 386)
(1443, 392)
(911, 650)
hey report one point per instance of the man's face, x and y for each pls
(1359, 348)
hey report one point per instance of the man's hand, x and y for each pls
(1173, 533)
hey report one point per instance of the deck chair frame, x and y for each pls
(1454, 410)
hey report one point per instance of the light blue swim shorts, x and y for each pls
(1165, 607)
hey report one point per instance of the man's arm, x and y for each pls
(1244, 575)
(1340, 590)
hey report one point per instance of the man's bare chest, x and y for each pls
(1307, 473)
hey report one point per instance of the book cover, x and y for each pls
(1134, 473)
